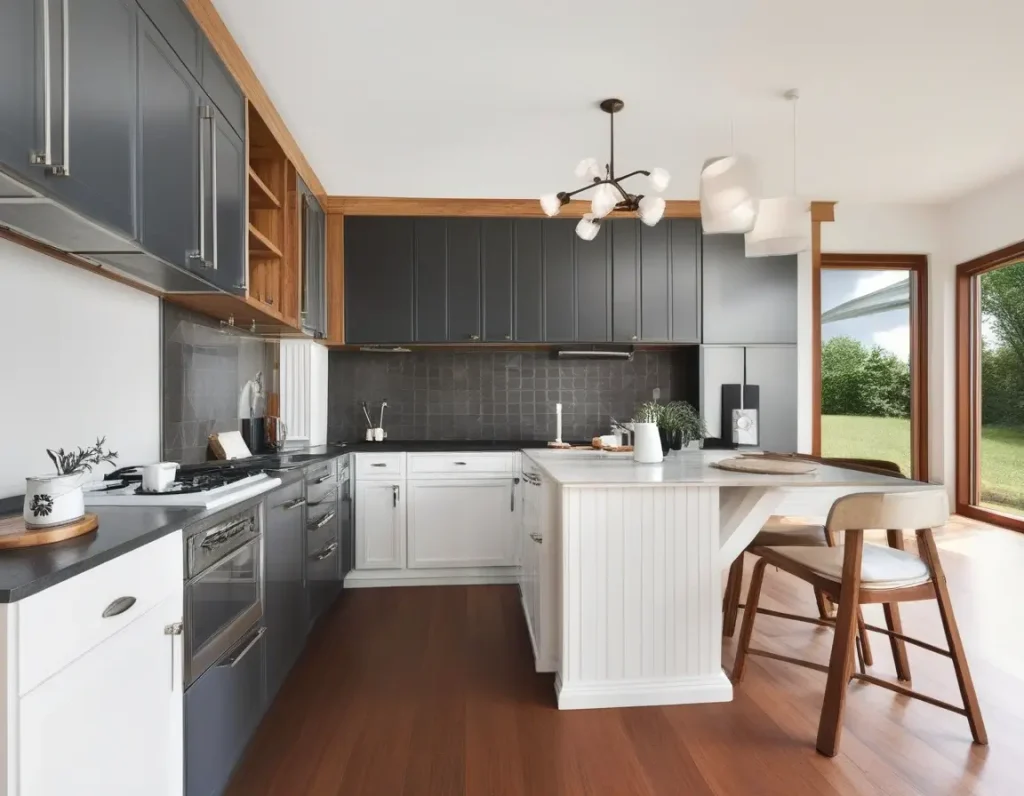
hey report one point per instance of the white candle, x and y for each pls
(558, 422)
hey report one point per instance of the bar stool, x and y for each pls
(788, 531)
(854, 574)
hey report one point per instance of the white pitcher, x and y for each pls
(647, 443)
(53, 500)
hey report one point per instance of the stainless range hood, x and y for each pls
(595, 353)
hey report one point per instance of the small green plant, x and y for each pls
(680, 417)
(81, 460)
(650, 412)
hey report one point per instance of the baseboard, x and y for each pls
(642, 693)
(476, 576)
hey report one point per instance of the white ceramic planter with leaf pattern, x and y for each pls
(53, 500)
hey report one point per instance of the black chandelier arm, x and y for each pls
(633, 174)
(565, 196)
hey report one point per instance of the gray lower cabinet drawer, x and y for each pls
(222, 710)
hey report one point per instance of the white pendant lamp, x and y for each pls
(728, 195)
(588, 227)
(551, 204)
(604, 201)
(783, 224)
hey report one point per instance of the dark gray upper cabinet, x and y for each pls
(227, 200)
(169, 153)
(624, 235)
(464, 280)
(431, 257)
(179, 27)
(774, 370)
(593, 289)
(655, 277)
(21, 87)
(222, 88)
(685, 273)
(379, 279)
(497, 278)
(747, 300)
(101, 100)
(528, 276)
(559, 237)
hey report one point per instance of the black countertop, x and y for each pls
(122, 529)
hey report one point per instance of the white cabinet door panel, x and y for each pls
(110, 724)
(380, 525)
(461, 523)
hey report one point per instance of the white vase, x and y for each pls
(647, 443)
(53, 500)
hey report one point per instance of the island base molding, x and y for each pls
(451, 576)
(643, 693)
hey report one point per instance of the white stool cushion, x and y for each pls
(881, 567)
(786, 531)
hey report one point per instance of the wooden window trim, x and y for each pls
(918, 265)
(968, 386)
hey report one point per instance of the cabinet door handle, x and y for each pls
(234, 660)
(172, 630)
(292, 504)
(200, 253)
(379, 464)
(323, 478)
(213, 179)
(537, 538)
(512, 507)
(474, 337)
(330, 515)
(45, 158)
(327, 552)
(461, 464)
(394, 496)
(508, 337)
(64, 169)
(118, 607)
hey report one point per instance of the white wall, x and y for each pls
(79, 358)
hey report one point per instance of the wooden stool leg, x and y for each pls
(926, 543)
(830, 725)
(733, 588)
(865, 645)
(893, 621)
(749, 613)
(824, 606)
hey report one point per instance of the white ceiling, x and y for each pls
(901, 101)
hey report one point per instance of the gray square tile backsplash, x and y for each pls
(503, 395)
(204, 370)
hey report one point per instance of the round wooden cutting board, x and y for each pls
(758, 464)
(14, 533)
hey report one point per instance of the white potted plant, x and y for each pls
(646, 440)
(57, 499)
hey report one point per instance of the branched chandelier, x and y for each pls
(609, 194)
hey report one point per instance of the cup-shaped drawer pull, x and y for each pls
(323, 520)
(537, 538)
(118, 607)
(461, 464)
(378, 464)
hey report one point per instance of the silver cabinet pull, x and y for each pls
(292, 504)
(213, 179)
(537, 538)
(379, 464)
(461, 464)
(330, 515)
(327, 552)
(394, 496)
(64, 169)
(234, 660)
(514, 482)
(199, 254)
(118, 607)
(323, 478)
(172, 630)
(44, 158)
(474, 337)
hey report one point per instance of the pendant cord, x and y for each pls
(611, 166)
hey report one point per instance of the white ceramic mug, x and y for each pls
(158, 477)
(369, 435)
(378, 435)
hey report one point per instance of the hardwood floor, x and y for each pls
(432, 691)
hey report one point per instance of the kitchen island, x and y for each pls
(623, 563)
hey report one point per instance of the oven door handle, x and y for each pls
(213, 565)
(234, 660)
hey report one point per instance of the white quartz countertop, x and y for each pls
(586, 469)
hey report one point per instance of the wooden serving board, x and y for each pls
(759, 464)
(14, 533)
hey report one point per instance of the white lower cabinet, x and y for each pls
(380, 524)
(111, 722)
(538, 580)
(462, 523)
